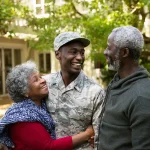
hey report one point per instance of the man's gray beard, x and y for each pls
(115, 66)
(116, 63)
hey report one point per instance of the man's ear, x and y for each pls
(57, 54)
(124, 52)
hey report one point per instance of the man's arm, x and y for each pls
(97, 107)
(139, 114)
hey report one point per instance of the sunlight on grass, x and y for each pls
(3, 109)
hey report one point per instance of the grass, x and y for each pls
(5, 102)
(3, 109)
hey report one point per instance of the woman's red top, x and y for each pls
(34, 136)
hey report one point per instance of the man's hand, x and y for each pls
(3, 147)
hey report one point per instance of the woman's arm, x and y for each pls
(34, 135)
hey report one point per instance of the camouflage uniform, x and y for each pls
(74, 107)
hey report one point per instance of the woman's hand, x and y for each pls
(90, 132)
(83, 136)
(91, 141)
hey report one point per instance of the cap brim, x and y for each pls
(84, 41)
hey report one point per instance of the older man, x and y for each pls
(125, 119)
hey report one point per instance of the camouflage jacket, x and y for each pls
(74, 107)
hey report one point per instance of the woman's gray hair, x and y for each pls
(131, 38)
(17, 80)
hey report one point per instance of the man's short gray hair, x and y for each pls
(17, 80)
(131, 38)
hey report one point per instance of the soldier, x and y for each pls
(74, 99)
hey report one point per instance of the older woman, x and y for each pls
(27, 124)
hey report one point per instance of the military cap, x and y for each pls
(66, 37)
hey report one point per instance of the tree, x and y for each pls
(9, 11)
(96, 21)
(93, 18)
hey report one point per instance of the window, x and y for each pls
(1, 81)
(17, 56)
(41, 62)
(42, 7)
(45, 62)
(48, 64)
(38, 1)
(8, 59)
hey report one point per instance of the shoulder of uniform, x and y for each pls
(91, 83)
(51, 75)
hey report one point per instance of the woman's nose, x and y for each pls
(43, 80)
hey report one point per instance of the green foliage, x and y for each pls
(94, 19)
(97, 23)
(9, 11)
(106, 75)
(145, 62)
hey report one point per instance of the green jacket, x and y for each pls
(125, 124)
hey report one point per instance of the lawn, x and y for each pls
(5, 102)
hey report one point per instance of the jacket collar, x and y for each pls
(139, 74)
(76, 84)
